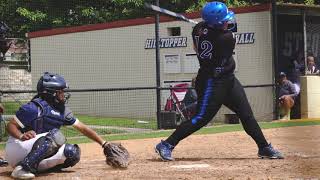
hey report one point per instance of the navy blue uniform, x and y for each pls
(47, 147)
(39, 116)
(216, 85)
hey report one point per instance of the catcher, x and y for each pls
(36, 144)
(3, 162)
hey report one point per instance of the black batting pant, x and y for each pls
(212, 93)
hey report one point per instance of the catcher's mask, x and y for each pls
(51, 86)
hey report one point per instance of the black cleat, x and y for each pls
(3, 162)
(269, 152)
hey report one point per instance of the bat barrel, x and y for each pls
(169, 13)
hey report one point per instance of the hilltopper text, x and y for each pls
(171, 42)
(244, 38)
(175, 42)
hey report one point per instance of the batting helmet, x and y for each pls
(216, 14)
(49, 83)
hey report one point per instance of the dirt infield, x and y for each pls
(216, 156)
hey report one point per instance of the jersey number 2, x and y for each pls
(205, 49)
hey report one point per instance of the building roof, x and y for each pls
(298, 9)
(298, 6)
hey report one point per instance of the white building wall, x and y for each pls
(255, 62)
(116, 58)
(112, 58)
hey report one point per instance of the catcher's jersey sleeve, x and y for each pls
(26, 114)
(69, 119)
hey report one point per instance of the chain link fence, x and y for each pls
(112, 71)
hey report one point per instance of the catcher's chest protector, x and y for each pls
(48, 118)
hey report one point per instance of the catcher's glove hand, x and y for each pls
(116, 155)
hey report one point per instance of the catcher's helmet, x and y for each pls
(49, 83)
(216, 14)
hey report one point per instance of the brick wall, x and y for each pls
(15, 79)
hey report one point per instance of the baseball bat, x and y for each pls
(169, 13)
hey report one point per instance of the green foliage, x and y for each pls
(196, 6)
(237, 3)
(27, 15)
(31, 15)
(309, 2)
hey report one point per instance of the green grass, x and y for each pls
(120, 122)
(72, 132)
(11, 107)
(207, 130)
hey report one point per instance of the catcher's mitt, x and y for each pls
(116, 155)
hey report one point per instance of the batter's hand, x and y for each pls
(28, 135)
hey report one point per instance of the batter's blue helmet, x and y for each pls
(49, 83)
(216, 14)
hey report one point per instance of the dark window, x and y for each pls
(174, 31)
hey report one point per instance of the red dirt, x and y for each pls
(226, 155)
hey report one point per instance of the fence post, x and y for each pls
(157, 20)
(275, 56)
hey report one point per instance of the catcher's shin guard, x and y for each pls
(43, 148)
(72, 153)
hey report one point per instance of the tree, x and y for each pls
(28, 15)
